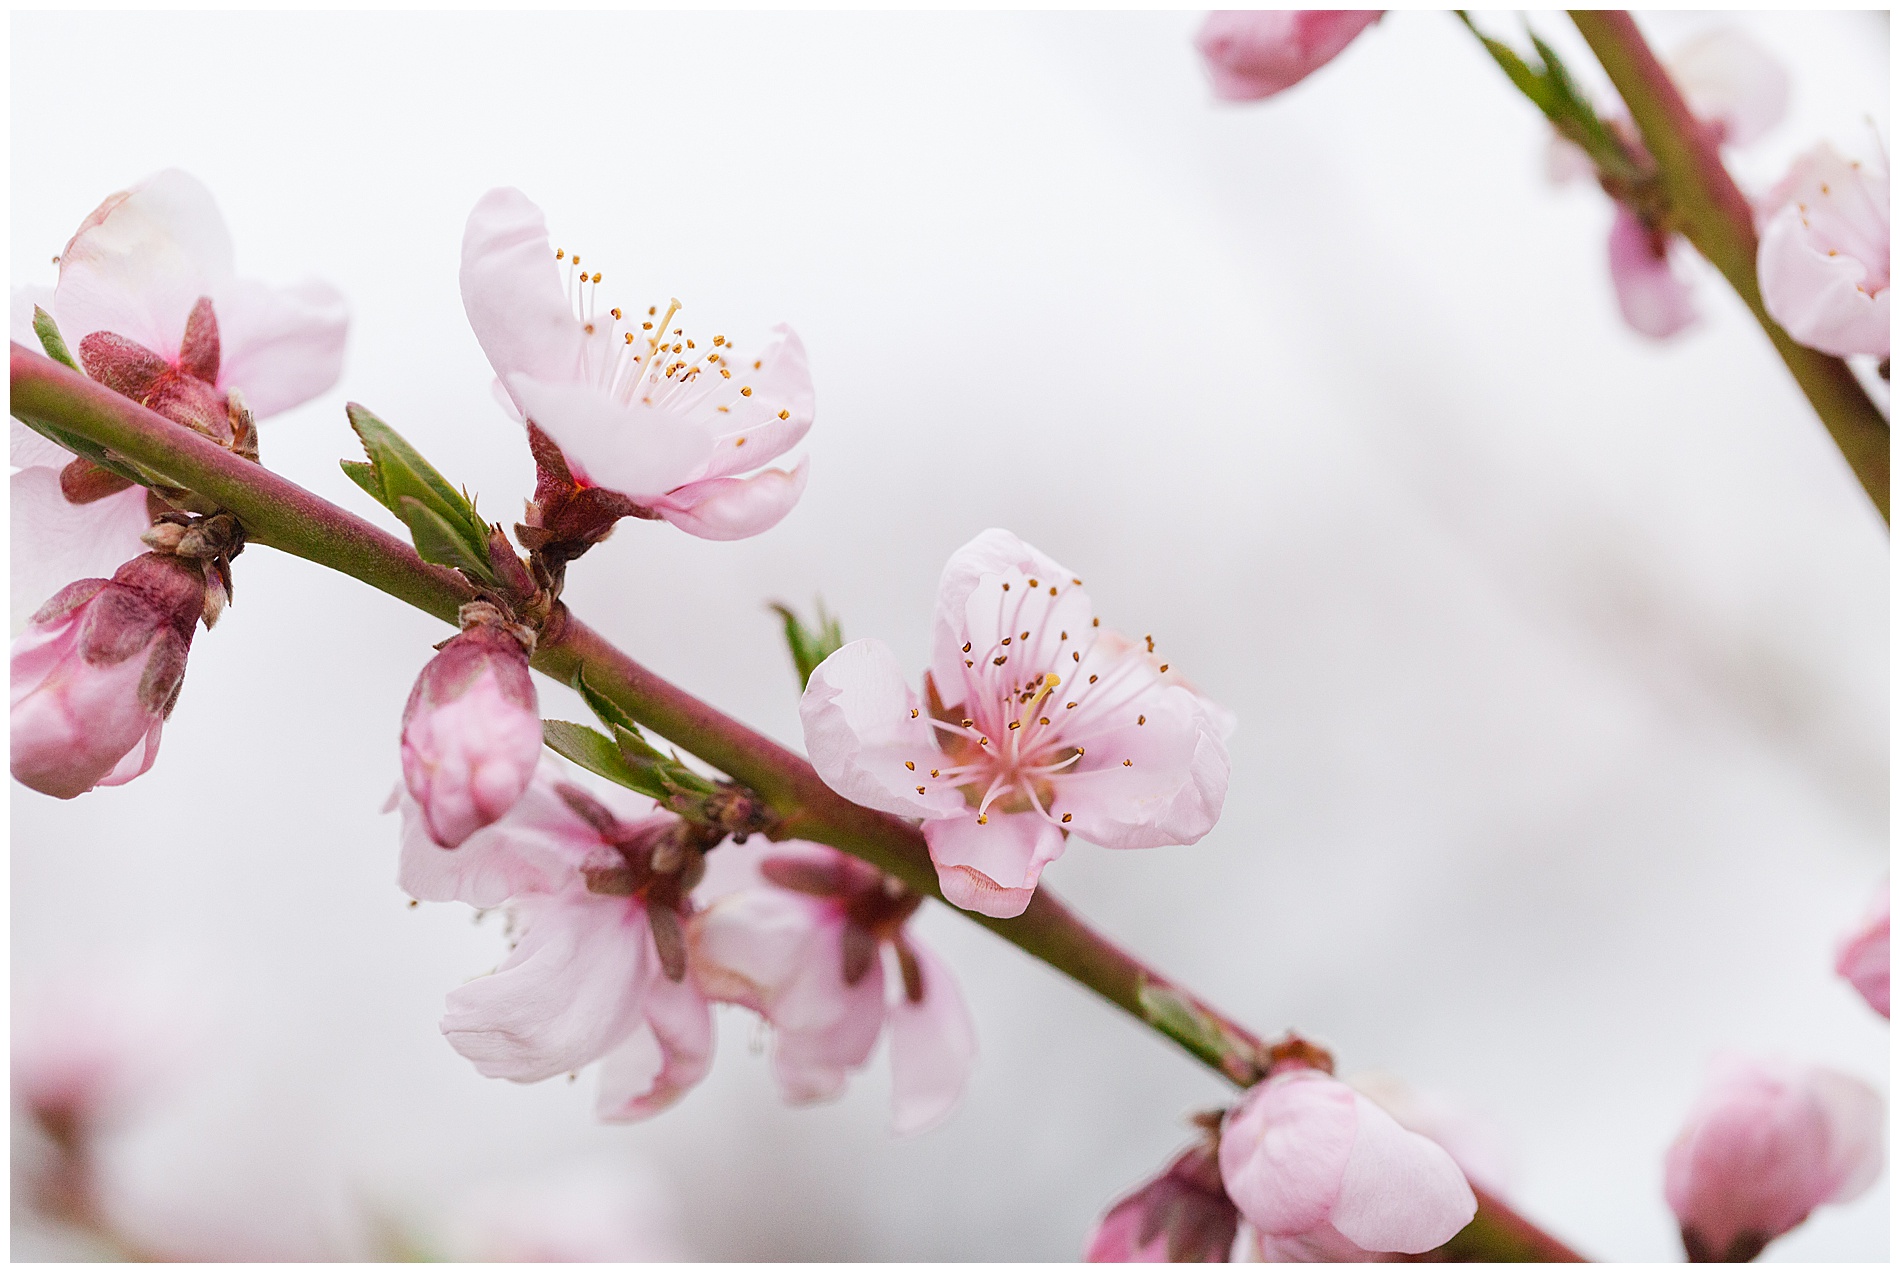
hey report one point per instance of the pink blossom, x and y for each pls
(1654, 297)
(148, 285)
(471, 734)
(669, 423)
(804, 944)
(1731, 84)
(1864, 958)
(1473, 1141)
(1825, 262)
(1035, 722)
(596, 890)
(97, 672)
(1255, 53)
(1312, 1163)
(1766, 1144)
(1182, 1216)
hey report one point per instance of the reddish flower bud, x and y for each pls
(1182, 1216)
(96, 673)
(1256, 53)
(471, 734)
(1768, 1143)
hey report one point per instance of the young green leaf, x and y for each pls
(594, 752)
(810, 648)
(437, 541)
(55, 344)
(441, 519)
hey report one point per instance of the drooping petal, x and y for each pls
(1255, 53)
(281, 346)
(663, 1059)
(1159, 778)
(1732, 82)
(636, 449)
(1284, 1150)
(569, 992)
(823, 1028)
(1653, 297)
(56, 542)
(512, 292)
(992, 867)
(749, 945)
(723, 508)
(1824, 260)
(141, 261)
(537, 848)
(862, 723)
(1002, 557)
(1865, 958)
(933, 1049)
(1401, 1191)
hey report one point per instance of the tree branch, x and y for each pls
(283, 515)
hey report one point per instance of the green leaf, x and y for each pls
(364, 475)
(596, 753)
(810, 648)
(411, 488)
(436, 540)
(1551, 88)
(670, 772)
(609, 711)
(55, 344)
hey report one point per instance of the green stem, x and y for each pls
(1715, 217)
(283, 515)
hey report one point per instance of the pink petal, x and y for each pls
(1285, 1149)
(1256, 53)
(281, 346)
(1401, 1191)
(1117, 1239)
(471, 734)
(1321, 1245)
(933, 1049)
(749, 945)
(1824, 259)
(537, 848)
(663, 1059)
(29, 450)
(1865, 959)
(1171, 794)
(993, 554)
(992, 868)
(1654, 299)
(141, 261)
(862, 723)
(638, 450)
(75, 725)
(823, 1029)
(1731, 81)
(569, 992)
(55, 542)
(1856, 1119)
(734, 507)
(783, 384)
(512, 292)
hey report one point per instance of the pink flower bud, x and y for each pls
(1256, 53)
(1182, 1216)
(1306, 1157)
(1864, 958)
(1767, 1143)
(471, 734)
(96, 673)
(1654, 298)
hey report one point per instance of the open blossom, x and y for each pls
(1182, 1216)
(804, 944)
(97, 672)
(1255, 53)
(675, 426)
(471, 733)
(1766, 1144)
(150, 303)
(1825, 259)
(1035, 722)
(1322, 1171)
(1864, 958)
(596, 895)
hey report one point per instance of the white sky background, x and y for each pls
(1560, 657)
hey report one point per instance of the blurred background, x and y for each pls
(1560, 656)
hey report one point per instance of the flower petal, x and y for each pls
(992, 867)
(1654, 299)
(1256, 53)
(1731, 81)
(1401, 1191)
(1284, 1150)
(280, 346)
(511, 290)
(734, 507)
(996, 553)
(1864, 957)
(537, 848)
(771, 419)
(1824, 260)
(749, 945)
(663, 1059)
(933, 1049)
(1172, 791)
(823, 1028)
(638, 450)
(862, 723)
(56, 542)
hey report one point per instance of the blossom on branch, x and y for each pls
(1766, 1144)
(97, 672)
(596, 889)
(1825, 260)
(150, 304)
(809, 939)
(1182, 1216)
(1865, 958)
(1035, 722)
(1256, 53)
(657, 424)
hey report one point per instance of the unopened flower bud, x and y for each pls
(96, 673)
(1767, 1143)
(471, 734)
(1256, 53)
(1182, 1216)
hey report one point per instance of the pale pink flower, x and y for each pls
(1255, 53)
(595, 893)
(669, 423)
(471, 733)
(1313, 1164)
(97, 672)
(1864, 959)
(1182, 1216)
(1825, 259)
(804, 944)
(1766, 1144)
(1654, 296)
(1035, 722)
(1732, 84)
(1474, 1142)
(150, 303)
